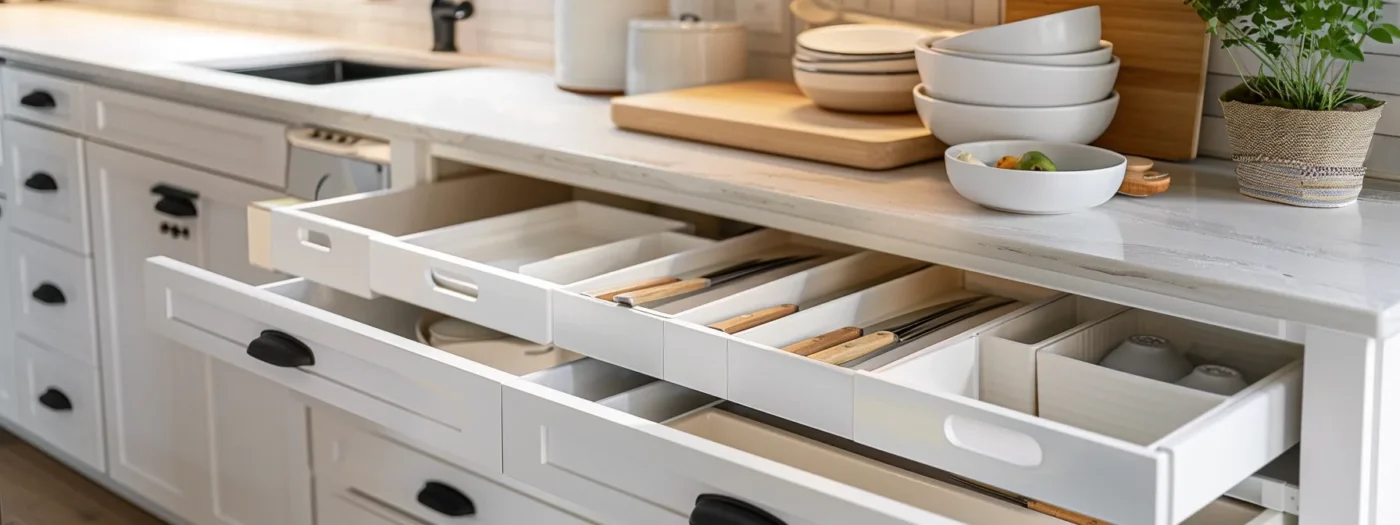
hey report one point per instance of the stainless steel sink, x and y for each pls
(333, 71)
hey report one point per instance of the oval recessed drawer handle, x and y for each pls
(282, 350)
(446, 500)
(39, 99)
(714, 509)
(56, 400)
(41, 181)
(47, 293)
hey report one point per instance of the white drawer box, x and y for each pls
(365, 478)
(49, 199)
(664, 455)
(60, 401)
(53, 300)
(248, 148)
(1122, 448)
(671, 339)
(47, 100)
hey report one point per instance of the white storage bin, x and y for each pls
(1122, 448)
(821, 395)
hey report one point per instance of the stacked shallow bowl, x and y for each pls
(859, 68)
(1048, 79)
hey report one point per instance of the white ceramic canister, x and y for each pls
(669, 54)
(590, 42)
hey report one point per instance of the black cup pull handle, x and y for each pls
(714, 509)
(49, 294)
(282, 350)
(56, 400)
(39, 99)
(446, 500)
(41, 181)
(176, 202)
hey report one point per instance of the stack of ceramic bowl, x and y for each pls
(858, 68)
(1048, 79)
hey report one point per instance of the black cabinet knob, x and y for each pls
(49, 294)
(39, 99)
(56, 400)
(714, 509)
(176, 202)
(41, 181)
(443, 498)
(279, 349)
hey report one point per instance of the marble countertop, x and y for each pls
(1201, 242)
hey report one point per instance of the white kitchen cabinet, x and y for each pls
(198, 437)
(7, 335)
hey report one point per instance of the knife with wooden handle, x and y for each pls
(895, 337)
(709, 280)
(739, 323)
(827, 340)
(609, 294)
(847, 334)
(778, 312)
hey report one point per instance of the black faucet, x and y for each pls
(446, 14)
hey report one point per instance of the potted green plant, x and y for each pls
(1299, 135)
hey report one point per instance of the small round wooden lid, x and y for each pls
(1138, 164)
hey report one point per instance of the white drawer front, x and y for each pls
(52, 300)
(442, 399)
(49, 199)
(48, 100)
(371, 479)
(59, 401)
(255, 150)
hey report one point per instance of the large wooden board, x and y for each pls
(774, 117)
(1163, 46)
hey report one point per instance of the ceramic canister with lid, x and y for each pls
(590, 42)
(667, 54)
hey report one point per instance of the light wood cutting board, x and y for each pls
(1163, 46)
(774, 117)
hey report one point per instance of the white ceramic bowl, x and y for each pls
(861, 39)
(1063, 33)
(901, 65)
(955, 123)
(1088, 177)
(858, 92)
(1102, 55)
(988, 83)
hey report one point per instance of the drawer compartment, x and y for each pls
(52, 300)
(251, 149)
(45, 169)
(1122, 448)
(48, 100)
(762, 374)
(365, 478)
(500, 272)
(60, 401)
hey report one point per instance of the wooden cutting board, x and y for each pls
(1163, 46)
(774, 117)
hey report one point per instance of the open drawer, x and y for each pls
(1119, 447)
(359, 355)
(660, 454)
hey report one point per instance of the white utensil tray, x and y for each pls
(1121, 448)
(763, 376)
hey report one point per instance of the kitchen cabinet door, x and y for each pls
(8, 378)
(167, 405)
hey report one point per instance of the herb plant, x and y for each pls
(1305, 47)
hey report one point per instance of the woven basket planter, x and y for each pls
(1300, 157)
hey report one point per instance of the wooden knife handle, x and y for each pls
(737, 324)
(1064, 514)
(840, 355)
(607, 295)
(827, 340)
(665, 291)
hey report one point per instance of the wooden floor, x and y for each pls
(36, 490)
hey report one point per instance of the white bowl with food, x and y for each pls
(1046, 178)
(859, 92)
(958, 123)
(900, 65)
(1063, 33)
(1102, 55)
(854, 40)
(989, 83)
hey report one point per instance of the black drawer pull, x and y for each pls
(176, 202)
(56, 400)
(41, 181)
(714, 509)
(49, 294)
(279, 349)
(39, 100)
(443, 498)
